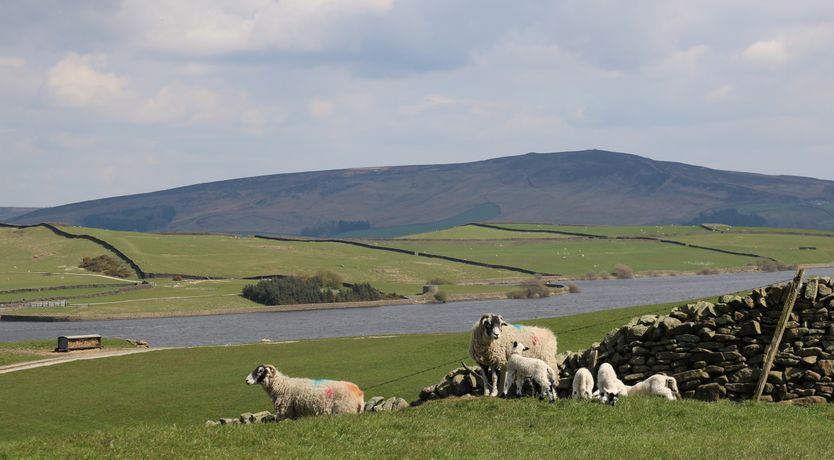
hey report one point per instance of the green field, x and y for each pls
(154, 405)
(19, 352)
(575, 257)
(236, 257)
(782, 247)
(654, 231)
(474, 232)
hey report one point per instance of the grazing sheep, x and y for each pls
(583, 384)
(299, 397)
(656, 385)
(492, 339)
(521, 367)
(609, 387)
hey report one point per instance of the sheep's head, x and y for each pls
(610, 398)
(491, 325)
(262, 374)
(518, 348)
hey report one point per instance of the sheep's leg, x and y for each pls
(519, 384)
(484, 380)
(510, 376)
(494, 383)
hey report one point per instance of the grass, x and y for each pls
(574, 257)
(153, 405)
(783, 247)
(29, 254)
(472, 232)
(237, 257)
(57, 293)
(656, 231)
(19, 352)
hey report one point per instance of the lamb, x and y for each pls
(583, 384)
(656, 385)
(492, 340)
(521, 367)
(299, 397)
(609, 387)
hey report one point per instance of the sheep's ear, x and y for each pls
(526, 348)
(504, 323)
(515, 344)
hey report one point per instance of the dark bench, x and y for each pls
(78, 342)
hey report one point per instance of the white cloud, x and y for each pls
(720, 94)
(78, 80)
(12, 62)
(320, 108)
(766, 52)
(197, 28)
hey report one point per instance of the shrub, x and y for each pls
(766, 265)
(623, 271)
(439, 281)
(105, 264)
(440, 296)
(294, 290)
(573, 289)
(329, 279)
(709, 271)
(534, 291)
(176, 278)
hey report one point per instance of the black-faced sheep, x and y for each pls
(492, 340)
(609, 387)
(521, 367)
(299, 397)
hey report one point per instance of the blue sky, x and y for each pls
(101, 99)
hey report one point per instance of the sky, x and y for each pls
(103, 99)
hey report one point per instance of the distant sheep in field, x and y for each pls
(583, 384)
(656, 385)
(299, 397)
(491, 343)
(521, 367)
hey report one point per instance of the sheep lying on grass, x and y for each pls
(299, 397)
(520, 367)
(583, 384)
(609, 387)
(492, 340)
(656, 385)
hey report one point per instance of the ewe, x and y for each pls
(491, 343)
(299, 397)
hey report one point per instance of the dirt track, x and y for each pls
(72, 356)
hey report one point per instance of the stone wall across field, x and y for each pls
(716, 350)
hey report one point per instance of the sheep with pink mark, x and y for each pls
(492, 342)
(300, 397)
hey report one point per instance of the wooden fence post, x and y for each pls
(796, 284)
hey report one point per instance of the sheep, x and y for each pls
(521, 367)
(583, 384)
(492, 339)
(609, 387)
(656, 385)
(299, 397)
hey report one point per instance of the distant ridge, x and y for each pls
(582, 187)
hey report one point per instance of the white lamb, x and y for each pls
(299, 397)
(609, 387)
(656, 385)
(583, 384)
(521, 367)
(492, 340)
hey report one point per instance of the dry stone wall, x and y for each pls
(716, 350)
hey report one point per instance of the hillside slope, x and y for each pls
(589, 187)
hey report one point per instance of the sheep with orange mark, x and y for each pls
(299, 397)
(492, 342)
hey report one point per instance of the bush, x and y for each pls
(766, 265)
(534, 291)
(440, 296)
(329, 279)
(294, 290)
(573, 289)
(709, 271)
(105, 264)
(623, 271)
(439, 281)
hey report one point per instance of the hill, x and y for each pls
(583, 187)
(7, 214)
